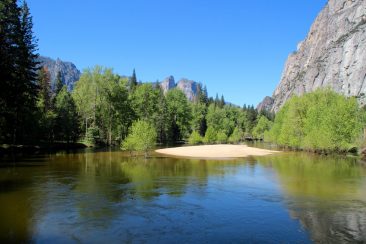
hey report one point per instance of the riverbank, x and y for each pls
(8, 150)
(216, 151)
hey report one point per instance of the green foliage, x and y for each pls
(18, 73)
(226, 119)
(320, 121)
(102, 102)
(236, 136)
(210, 136)
(58, 83)
(141, 138)
(67, 126)
(179, 114)
(195, 138)
(262, 126)
(221, 137)
(132, 83)
(198, 122)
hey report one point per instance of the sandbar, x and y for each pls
(215, 151)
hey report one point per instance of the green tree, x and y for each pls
(142, 137)
(236, 136)
(132, 84)
(44, 81)
(221, 137)
(102, 102)
(67, 125)
(199, 112)
(58, 83)
(195, 138)
(319, 121)
(262, 126)
(46, 114)
(179, 114)
(18, 73)
(210, 136)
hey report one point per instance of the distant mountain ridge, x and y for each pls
(69, 73)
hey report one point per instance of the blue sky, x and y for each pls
(236, 47)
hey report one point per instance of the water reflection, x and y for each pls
(108, 196)
(327, 194)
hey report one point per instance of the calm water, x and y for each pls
(109, 197)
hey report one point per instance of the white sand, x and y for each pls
(216, 151)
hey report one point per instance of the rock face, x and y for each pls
(189, 87)
(332, 55)
(266, 104)
(168, 84)
(69, 73)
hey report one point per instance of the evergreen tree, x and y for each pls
(217, 100)
(133, 81)
(58, 83)
(67, 126)
(18, 72)
(222, 101)
(44, 89)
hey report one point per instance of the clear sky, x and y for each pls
(236, 47)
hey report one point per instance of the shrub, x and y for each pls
(195, 138)
(210, 136)
(142, 138)
(221, 137)
(236, 136)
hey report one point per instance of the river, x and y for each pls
(107, 196)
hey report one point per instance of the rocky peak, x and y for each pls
(69, 73)
(332, 55)
(189, 87)
(266, 104)
(168, 84)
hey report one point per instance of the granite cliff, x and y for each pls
(189, 87)
(332, 55)
(69, 73)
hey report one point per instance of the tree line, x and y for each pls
(109, 104)
(321, 121)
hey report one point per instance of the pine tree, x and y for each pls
(44, 89)
(58, 83)
(222, 101)
(67, 125)
(18, 71)
(133, 81)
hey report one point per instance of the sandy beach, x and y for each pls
(216, 151)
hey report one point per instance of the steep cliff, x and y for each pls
(69, 73)
(189, 87)
(332, 55)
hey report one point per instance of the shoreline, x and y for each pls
(219, 151)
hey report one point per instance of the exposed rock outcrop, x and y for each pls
(168, 84)
(69, 73)
(266, 104)
(189, 87)
(332, 55)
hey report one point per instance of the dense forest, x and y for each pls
(103, 105)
